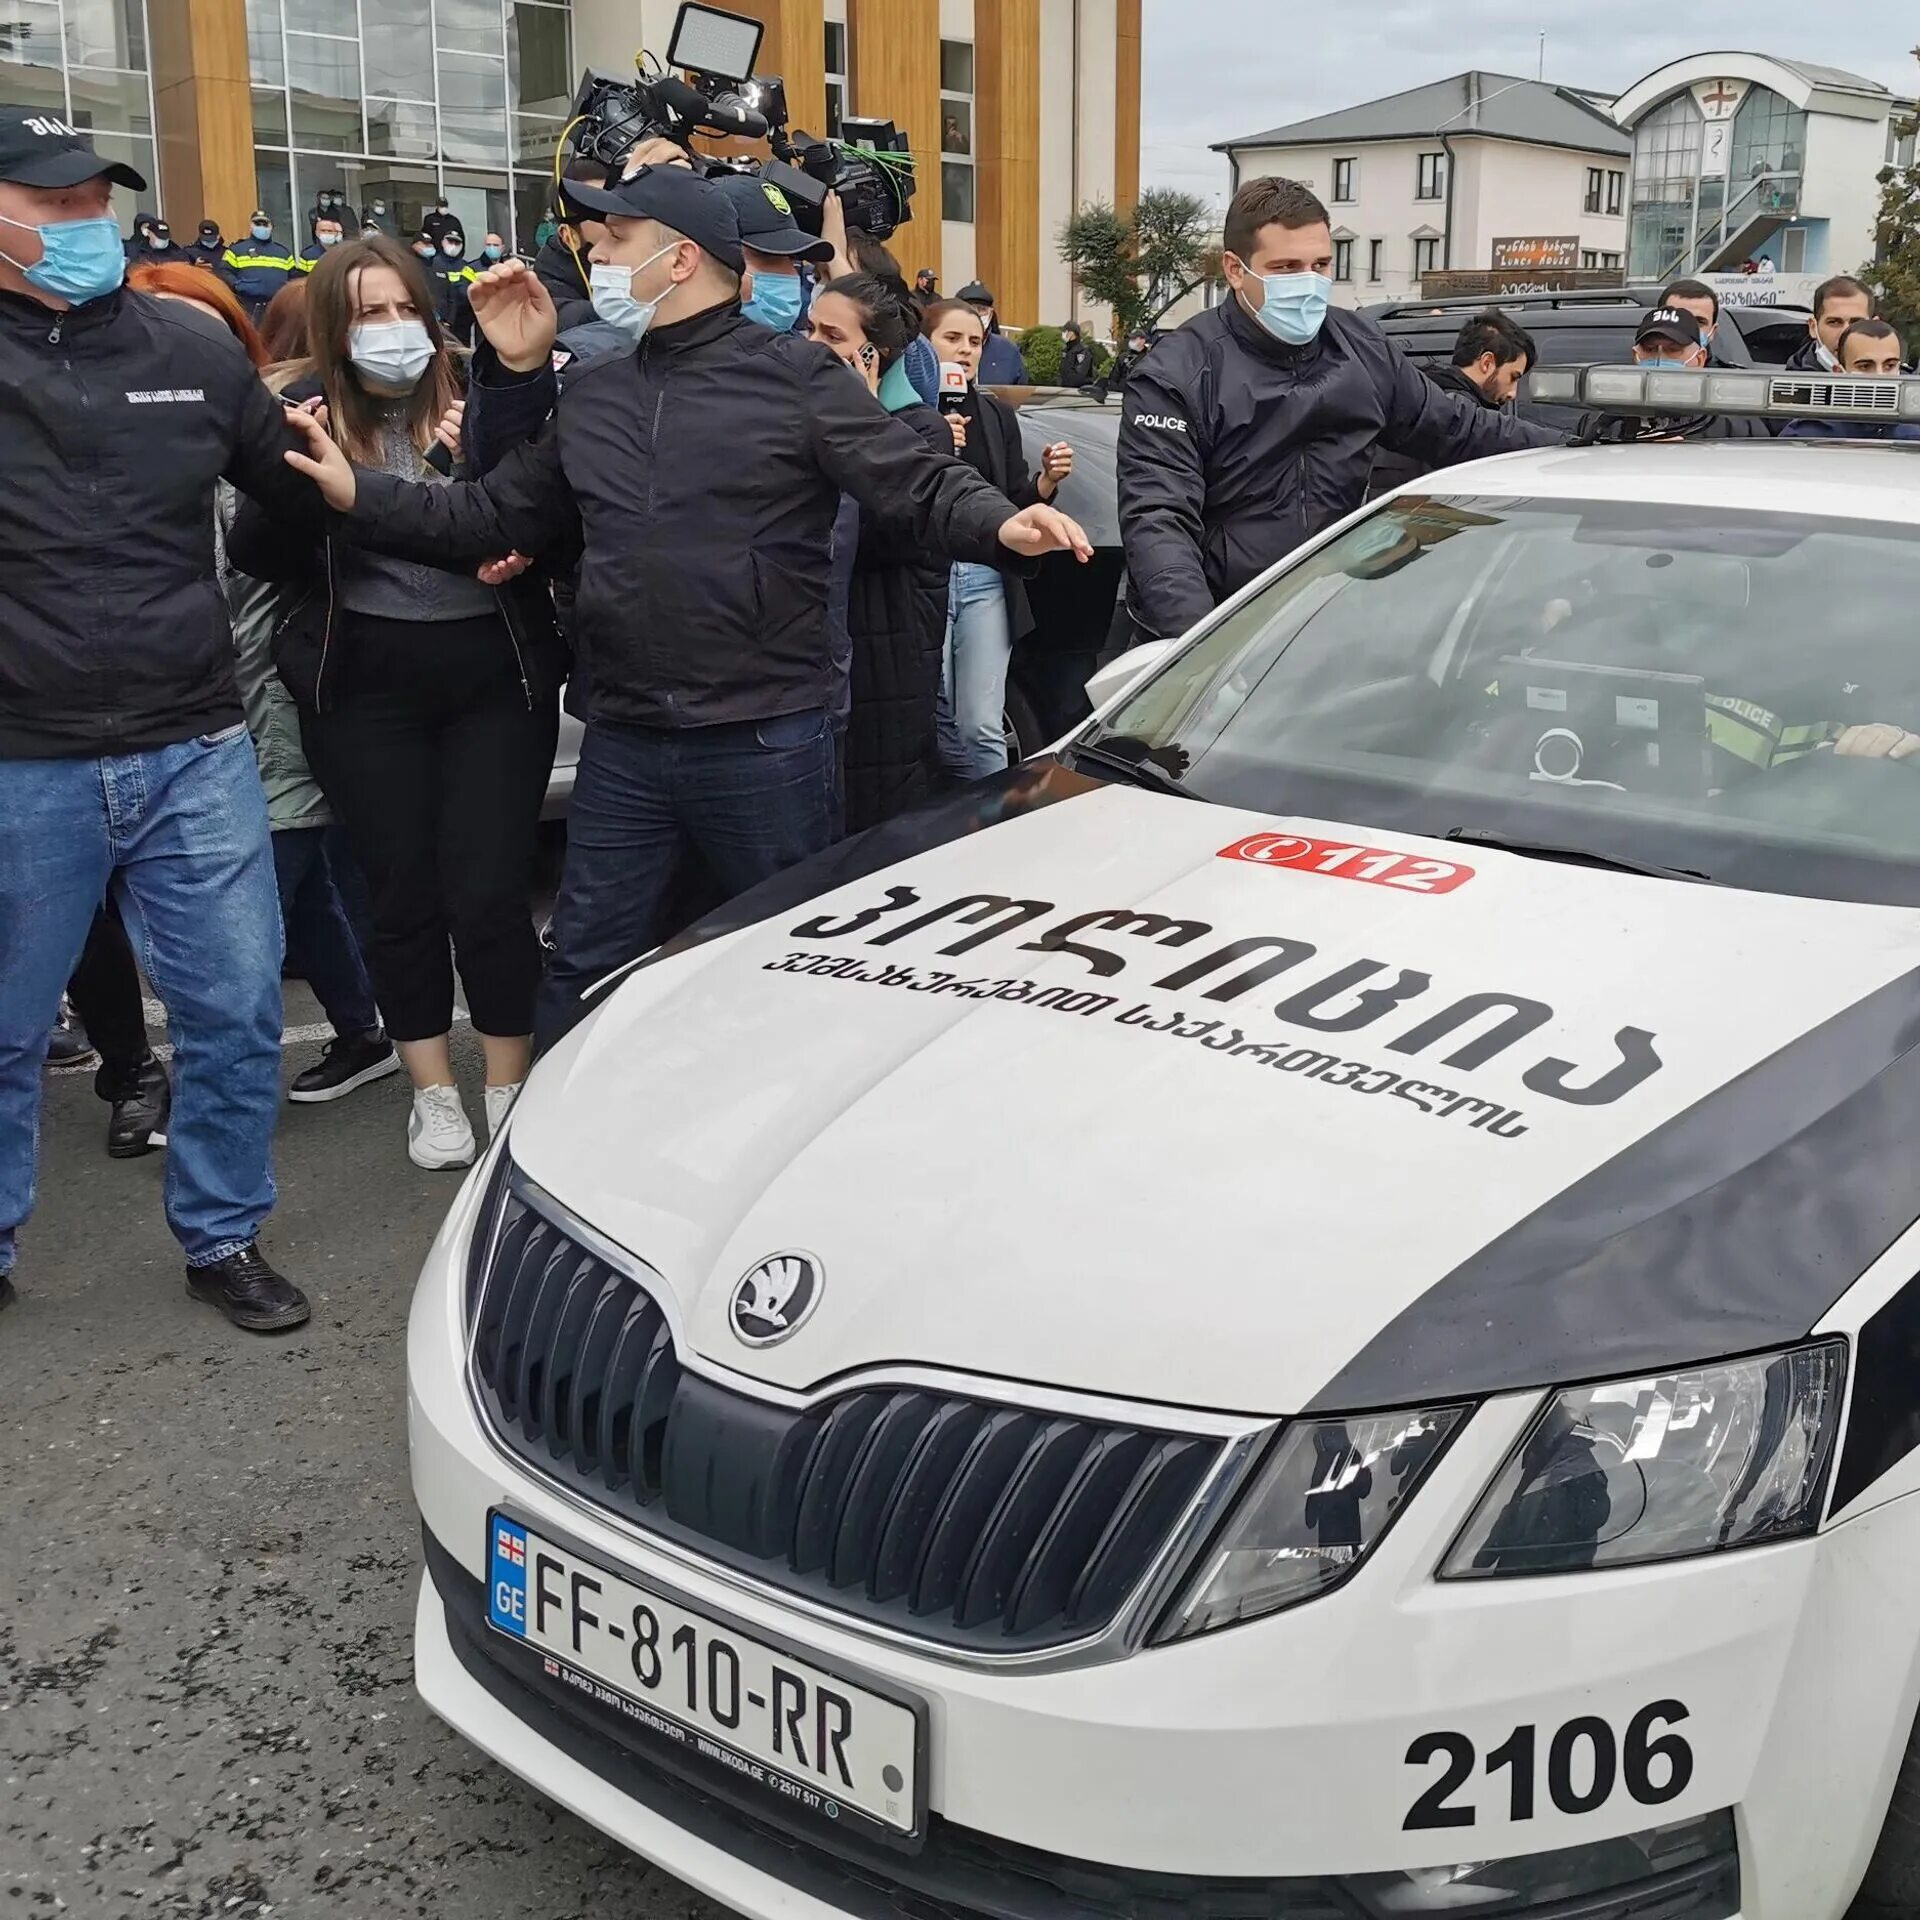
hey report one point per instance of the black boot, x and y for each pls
(249, 1292)
(142, 1099)
(69, 1049)
(8, 1292)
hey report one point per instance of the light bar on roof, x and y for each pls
(1655, 390)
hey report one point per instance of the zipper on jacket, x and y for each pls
(326, 632)
(513, 640)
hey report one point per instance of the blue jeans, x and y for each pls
(973, 692)
(741, 801)
(319, 932)
(180, 834)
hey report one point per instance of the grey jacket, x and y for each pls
(256, 607)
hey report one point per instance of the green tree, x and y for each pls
(1139, 266)
(1895, 268)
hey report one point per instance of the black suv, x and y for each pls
(1580, 329)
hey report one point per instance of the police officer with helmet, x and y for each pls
(698, 474)
(1255, 425)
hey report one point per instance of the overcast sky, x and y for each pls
(1218, 69)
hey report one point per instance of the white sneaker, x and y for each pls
(438, 1131)
(499, 1104)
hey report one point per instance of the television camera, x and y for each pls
(870, 167)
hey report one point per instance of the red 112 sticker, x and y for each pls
(1344, 860)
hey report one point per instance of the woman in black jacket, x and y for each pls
(987, 609)
(428, 707)
(897, 601)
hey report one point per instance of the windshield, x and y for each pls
(1691, 688)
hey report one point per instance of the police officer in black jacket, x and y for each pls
(698, 476)
(124, 757)
(1255, 425)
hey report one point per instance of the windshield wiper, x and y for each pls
(1578, 856)
(1143, 772)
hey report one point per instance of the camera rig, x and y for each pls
(871, 167)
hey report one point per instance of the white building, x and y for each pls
(1740, 157)
(1482, 170)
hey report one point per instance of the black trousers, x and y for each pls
(105, 991)
(437, 765)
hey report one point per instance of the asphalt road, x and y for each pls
(206, 1704)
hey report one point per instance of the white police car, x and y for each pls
(1304, 1308)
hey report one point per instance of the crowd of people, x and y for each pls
(315, 708)
(374, 511)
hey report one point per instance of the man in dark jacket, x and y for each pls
(124, 758)
(1255, 425)
(207, 249)
(1668, 337)
(1837, 304)
(1001, 363)
(259, 266)
(1076, 357)
(155, 244)
(1491, 356)
(698, 478)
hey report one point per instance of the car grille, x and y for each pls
(953, 1518)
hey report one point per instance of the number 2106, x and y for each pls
(1585, 1763)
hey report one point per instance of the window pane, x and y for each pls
(270, 117)
(956, 190)
(531, 194)
(836, 109)
(30, 36)
(467, 26)
(473, 139)
(42, 87)
(472, 85)
(539, 65)
(836, 47)
(324, 81)
(399, 56)
(956, 66)
(107, 33)
(112, 100)
(535, 141)
(956, 126)
(403, 128)
(274, 183)
(325, 16)
(333, 126)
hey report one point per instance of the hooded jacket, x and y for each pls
(1234, 448)
(119, 418)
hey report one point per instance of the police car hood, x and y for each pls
(1157, 1099)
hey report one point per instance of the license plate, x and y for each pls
(810, 1736)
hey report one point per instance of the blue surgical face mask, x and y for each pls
(330, 239)
(80, 260)
(390, 355)
(492, 250)
(776, 301)
(1293, 306)
(611, 289)
(261, 230)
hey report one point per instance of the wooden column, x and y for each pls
(204, 112)
(1006, 55)
(1126, 108)
(896, 76)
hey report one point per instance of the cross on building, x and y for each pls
(1722, 95)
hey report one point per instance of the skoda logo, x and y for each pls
(772, 1300)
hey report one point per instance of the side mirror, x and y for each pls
(1120, 673)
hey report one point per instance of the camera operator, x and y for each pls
(699, 476)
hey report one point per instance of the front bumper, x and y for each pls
(1274, 1751)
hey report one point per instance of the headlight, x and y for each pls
(1653, 1469)
(1326, 1494)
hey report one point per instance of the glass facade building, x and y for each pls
(404, 101)
(1684, 211)
(85, 62)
